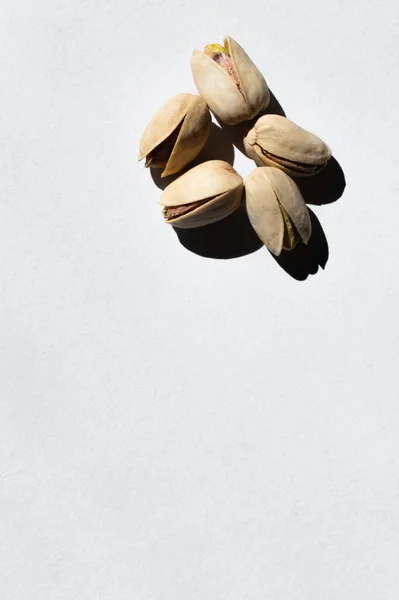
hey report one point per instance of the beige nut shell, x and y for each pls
(285, 139)
(220, 91)
(214, 179)
(193, 112)
(265, 188)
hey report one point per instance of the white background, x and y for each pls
(180, 427)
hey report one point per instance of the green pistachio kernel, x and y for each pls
(291, 237)
(213, 49)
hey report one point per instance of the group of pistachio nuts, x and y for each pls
(235, 91)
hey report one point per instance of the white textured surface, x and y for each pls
(176, 427)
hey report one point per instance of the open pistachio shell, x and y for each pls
(227, 79)
(276, 209)
(176, 133)
(278, 142)
(207, 193)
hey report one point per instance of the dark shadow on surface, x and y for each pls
(230, 238)
(162, 182)
(325, 187)
(236, 133)
(305, 260)
(217, 147)
(274, 108)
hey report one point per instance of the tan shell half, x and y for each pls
(214, 185)
(191, 113)
(219, 90)
(266, 188)
(278, 142)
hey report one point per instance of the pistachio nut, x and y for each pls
(176, 134)
(276, 209)
(206, 193)
(229, 82)
(278, 142)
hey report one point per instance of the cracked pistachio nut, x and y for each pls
(276, 209)
(227, 79)
(176, 134)
(278, 142)
(205, 194)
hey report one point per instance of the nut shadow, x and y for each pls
(217, 147)
(305, 260)
(325, 187)
(236, 133)
(231, 237)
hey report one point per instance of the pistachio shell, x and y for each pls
(278, 142)
(214, 185)
(254, 86)
(191, 114)
(220, 90)
(267, 189)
